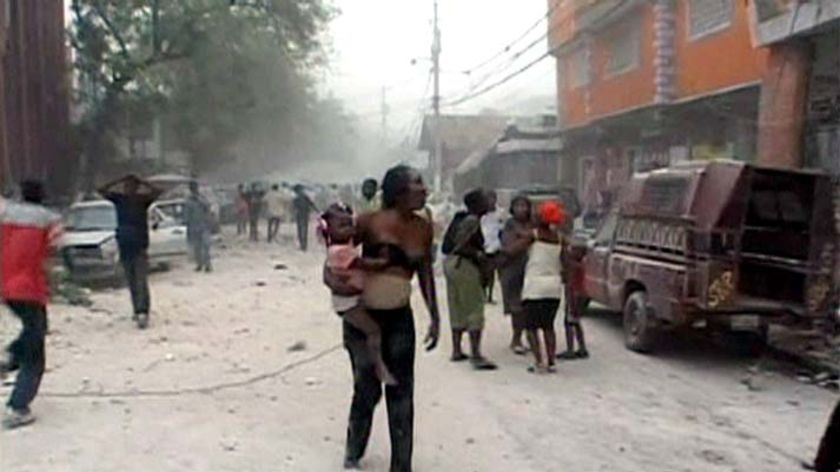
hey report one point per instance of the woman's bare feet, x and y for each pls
(538, 369)
(519, 349)
(458, 357)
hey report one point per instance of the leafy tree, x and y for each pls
(213, 69)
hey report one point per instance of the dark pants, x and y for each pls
(136, 266)
(398, 344)
(255, 228)
(28, 353)
(828, 457)
(303, 230)
(241, 225)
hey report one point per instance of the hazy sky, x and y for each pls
(375, 41)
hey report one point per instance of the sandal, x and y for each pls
(582, 354)
(480, 363)
(552, 369)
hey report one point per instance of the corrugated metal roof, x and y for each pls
(529, 145)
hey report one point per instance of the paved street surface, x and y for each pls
(214, 386)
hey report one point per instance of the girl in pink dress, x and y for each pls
(345, 260)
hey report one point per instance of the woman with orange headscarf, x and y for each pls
(543, 288)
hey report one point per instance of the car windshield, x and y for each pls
(100, 218)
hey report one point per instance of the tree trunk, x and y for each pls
(94, 152)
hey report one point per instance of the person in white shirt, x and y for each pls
(491, 228)
(543, 287)
(276, 207)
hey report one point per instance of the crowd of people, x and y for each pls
(373, 254)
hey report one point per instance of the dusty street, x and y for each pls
(214, 386)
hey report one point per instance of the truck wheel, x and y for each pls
(639, 323)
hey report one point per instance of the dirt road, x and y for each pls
(214, 386)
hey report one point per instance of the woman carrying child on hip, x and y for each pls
(345, 260)
(543, 287)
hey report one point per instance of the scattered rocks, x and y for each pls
(713, 457)
(260, 283)
(470, 441)
(297, 347)
(229, 444)
(281, 267)
(311, 381)
(170, 357)
(754, 383)
(825, 380)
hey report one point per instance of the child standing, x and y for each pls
(573, 278)
(543, 287)
(346, 262)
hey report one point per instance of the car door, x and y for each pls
(166, 236)
(596, 281)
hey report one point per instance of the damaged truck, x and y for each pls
(720, 244)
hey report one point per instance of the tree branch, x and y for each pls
(97, 7)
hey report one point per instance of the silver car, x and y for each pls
(89, 246)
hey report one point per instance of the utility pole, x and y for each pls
(437, 159)
(384, 114)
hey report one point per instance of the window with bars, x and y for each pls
(624, 48)
(579, 70)
(708, 16)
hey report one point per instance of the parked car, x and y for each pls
(89, 247)
(722, 244)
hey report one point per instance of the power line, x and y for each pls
(529, 47)
(530, 65)
(507, 48)
(499, 83)
(510, 62)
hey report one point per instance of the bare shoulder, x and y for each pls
(363, 220)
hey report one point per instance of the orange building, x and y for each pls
(644, 83)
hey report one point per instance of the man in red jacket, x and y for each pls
(27, 232)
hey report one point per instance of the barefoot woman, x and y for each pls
(405, 239)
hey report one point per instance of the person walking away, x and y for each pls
(303, 208)
(405, 239)
(276, 208)
(543, 287)
(241, 211)
(573, 280)
(255, 197)
(465, 268)
(517, 236)
(27, 232)
(132, 198)
(491, 228)
(344, 260)
(197, 215)
(370, 201)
